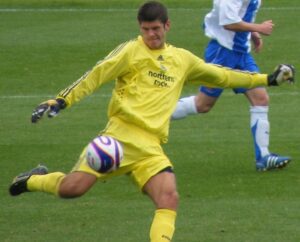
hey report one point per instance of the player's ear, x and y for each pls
(168, 25)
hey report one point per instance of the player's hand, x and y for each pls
(51, 107)
(283, 73)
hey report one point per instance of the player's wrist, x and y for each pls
(61, 103)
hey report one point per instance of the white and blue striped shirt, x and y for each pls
(228, 12)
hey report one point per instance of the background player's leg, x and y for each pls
(260, 128)
(259, 122)
(185, 106)
(202, 103)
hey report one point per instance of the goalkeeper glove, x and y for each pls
(283, 73)
(51, 107)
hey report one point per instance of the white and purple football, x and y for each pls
(104, 154)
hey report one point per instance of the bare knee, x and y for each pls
(76, 184)
(204, 103)
(161, 188)
(203, 108)
(262, 100)
(169, 199)
(258, 97)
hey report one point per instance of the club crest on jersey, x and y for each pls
(163, 68)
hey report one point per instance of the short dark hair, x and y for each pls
(152, 11)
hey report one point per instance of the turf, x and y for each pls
(46, 45)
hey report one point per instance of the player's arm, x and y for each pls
(109, 69)
(256, 30)
(257, 41)
(229, 18)
(264, 28)
(217, 76)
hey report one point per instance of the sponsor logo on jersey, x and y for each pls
(161, 79)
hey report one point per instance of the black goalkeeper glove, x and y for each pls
(283, 73)
(51, 107)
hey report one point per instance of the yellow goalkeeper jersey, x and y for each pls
(148, 82)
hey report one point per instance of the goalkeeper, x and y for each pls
(149, 76)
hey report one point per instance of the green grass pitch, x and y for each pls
(46, 45)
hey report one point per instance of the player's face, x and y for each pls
(154, 33)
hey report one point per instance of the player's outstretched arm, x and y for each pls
(282, 73)
(51, 107)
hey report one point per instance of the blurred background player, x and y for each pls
(230, 26)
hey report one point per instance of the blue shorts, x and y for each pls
(217, 54)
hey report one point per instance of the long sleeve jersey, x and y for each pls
(148, 82)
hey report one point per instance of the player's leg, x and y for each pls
(152, 171)
(206, 99)
(74, 184)
(57, 183)
(185, 106)
(202, 103)
(260, 127)
(161, 188)
(216, 54)
(259, 122)
(155, 178)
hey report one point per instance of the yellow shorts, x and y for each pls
(143, 154)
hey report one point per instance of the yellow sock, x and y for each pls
(45, 183)
(163, 225)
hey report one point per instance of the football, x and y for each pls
(104, 154)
